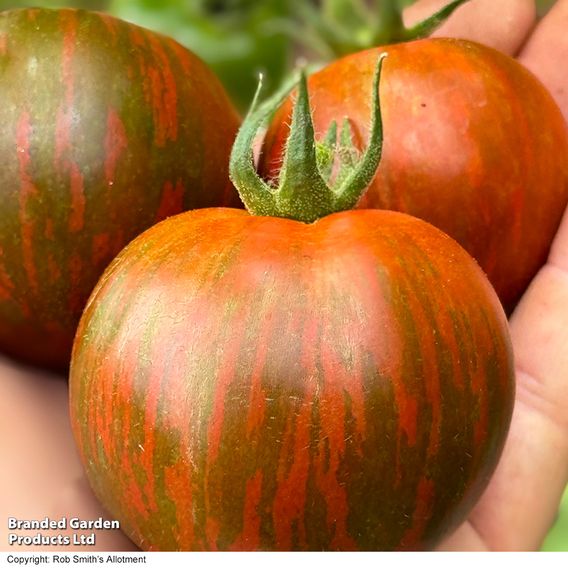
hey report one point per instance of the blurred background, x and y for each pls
(240, 38)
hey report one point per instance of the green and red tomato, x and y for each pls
(255, 383)
(107, 128)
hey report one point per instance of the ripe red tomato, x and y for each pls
(107, 128)
(473, 143)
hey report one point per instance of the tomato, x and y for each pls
(474, 144)
(294, 381)
(107, 128)
(255, 383)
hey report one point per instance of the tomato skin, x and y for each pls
(107, 128)
(473, 143)
(255, 383)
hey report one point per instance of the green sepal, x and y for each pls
(325, 152)
(255, 193)
(347, 151)
(349, 192)
(302, 193)
(427, 27)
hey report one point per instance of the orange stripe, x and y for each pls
(163, 89)
(28, 191)
(116, 143)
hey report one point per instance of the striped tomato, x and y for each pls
(107, 128)
(474, 144)
(253, 382)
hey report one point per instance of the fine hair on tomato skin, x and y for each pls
(341, 385)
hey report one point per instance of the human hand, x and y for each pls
(41, 474)
(520, 504)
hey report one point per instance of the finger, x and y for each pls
(466, 538)
(521, 502)
(546, 52)
(503, 25)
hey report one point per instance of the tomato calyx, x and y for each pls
(316, 178)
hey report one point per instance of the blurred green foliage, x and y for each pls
(235, 37)
(239, 39)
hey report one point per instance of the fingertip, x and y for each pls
(503, 25)
(547, 50)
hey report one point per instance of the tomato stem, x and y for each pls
(427, 27)
(306, 188)
(341, 27)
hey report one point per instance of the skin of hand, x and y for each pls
(521, 502)
(41, 474)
